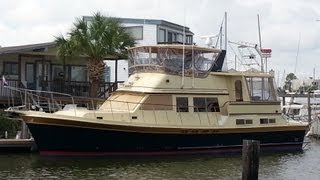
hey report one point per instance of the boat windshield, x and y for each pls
(169, 59)
(261, 89)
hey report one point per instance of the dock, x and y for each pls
(17, 145)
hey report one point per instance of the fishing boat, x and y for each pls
(177, 100)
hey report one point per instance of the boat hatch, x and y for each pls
(194, 61)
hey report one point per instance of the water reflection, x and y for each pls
(275, 166)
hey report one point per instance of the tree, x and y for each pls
(289, 78)
(95, 39)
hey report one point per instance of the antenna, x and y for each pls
(183, 48)
(262, 68)
(295, 66)
(225, 39)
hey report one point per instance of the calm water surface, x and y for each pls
(304, 165)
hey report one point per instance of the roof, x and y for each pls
(26, 48)
(180, 47)
(150, 21)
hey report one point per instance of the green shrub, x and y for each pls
(9, 125)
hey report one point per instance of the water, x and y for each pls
(304, 165)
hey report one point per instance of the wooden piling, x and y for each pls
(250, 159)
(24, 130)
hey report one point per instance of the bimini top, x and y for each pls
(173, 59)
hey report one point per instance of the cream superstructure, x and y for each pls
(153, 97)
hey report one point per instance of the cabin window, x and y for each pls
(261, 88)
(243, 121)
(272, 120)
(263, 121)
(135, 31)
(182, 104)
(10, 68)
(157, 102)
(248, 121)
(239, 121)
(123, 102)
(238, 90)
(203, 104)
(267, 121)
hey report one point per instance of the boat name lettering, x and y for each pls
(199, 131)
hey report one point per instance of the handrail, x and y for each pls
(30, 94)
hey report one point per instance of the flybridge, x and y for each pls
(187, 60)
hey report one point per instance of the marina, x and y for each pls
(159, 90)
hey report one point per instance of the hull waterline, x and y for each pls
(66, 140)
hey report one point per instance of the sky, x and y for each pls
(282, 23)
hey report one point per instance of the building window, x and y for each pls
(188, 39)
(174, 39)
(202, 104)
(107, 74)
(135, 31)
(78, 73)
(170, 36)
(238, 90)
(30, 76)
(57, 72)
(182, 104)
(180, 38)
(162, 35)
(10, 68)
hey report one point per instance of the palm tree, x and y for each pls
(95, 39)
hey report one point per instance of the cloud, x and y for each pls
(35, 21)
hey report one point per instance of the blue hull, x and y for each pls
(66, 140)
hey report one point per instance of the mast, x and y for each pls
(262, 65)
(225, 40)
(183, 48)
